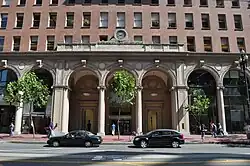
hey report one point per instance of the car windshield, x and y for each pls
(89, 133)
(148, 133)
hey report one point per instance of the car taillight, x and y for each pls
(181, 136)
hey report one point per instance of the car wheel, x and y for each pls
(55, 144)
(88, 144)
(144, 144)
(175, 144)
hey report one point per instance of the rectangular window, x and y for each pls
(189, 20)
(191, 43)
(19, 20)
(7, 2)
(33, 43)
(53, 2)
(187, 2)
(52, 20)
(16, 43)
(235, 3)
(155, 2)
(1, 43)
(120, 22)
(173, 40)
(220, 3)
(138, 38)
(38, 2)
(171, 2)
(172, 20)
(36, 20)
(85, 39)
(137, 20)
(203, 3)
(104, 20)
(238, 22)
(241, 43)
(155, 20)
(224, 44)
(22, 2)
(86, 19)
(50, 43)
(69, 19)
(156, 40)
(222, 21)
(4, 20)
(205, 21)
(68, 39)
(207, 44)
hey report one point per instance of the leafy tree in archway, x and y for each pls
(27, 89)
(198, 104)
(123, 88)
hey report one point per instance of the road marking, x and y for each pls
(17, 150)
(97, 158)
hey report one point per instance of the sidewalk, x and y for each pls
(108, 139)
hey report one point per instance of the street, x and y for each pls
(189, 155)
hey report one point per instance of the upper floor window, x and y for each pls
(50, 43)
(52, 20)
(36, 20)
(71, 2)
(33, 43)
(155, 20)
(19, 20)
(4, 20)
(6, 2)
(69, 19)
(86, 19)
(241, 43)
(85, 39)
(103, 37)
(105, 1)
(87, 1)
(205, 21)
(219, 3)
(138, 38)
(103, 20)
(38, 2)
(203, 3)
(68, 39)
(191, 43)
(155, 2)
(120, 22)
(189, 20)
(22, 2)
(173, 40)
(187, 2)
(224, 44)
(16, 43)
(222, 21)
(207, 44)
(1, 43)
(238, 22)
(156, 40)
(171, 2)
(235, 3)
(137, 20)
(53, 2)
(172, 20)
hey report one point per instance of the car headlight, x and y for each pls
(136, 139)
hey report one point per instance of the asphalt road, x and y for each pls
(108, 155)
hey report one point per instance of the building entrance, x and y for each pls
(7, 115)
(87, 120)
(153, 120)
(124, 125)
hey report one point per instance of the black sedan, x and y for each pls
(160, 137)
(75, 138)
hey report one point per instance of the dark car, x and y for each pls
(75, 138)
(160, 137)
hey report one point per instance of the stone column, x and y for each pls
(101, 111)
(18, 119)
(139, 110)
(174, 108)
(65, 113)
(221, 108)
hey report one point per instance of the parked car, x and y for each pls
(160, 137)
(75, 138)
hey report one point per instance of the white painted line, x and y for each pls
(97, 158)
(117, 159)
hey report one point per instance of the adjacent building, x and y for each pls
(169, 46)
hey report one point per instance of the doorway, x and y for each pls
(153, 119)
(87, 120)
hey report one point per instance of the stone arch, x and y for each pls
(79, 67)
(165, 70)
(113, 68)
(14, 69)
(207, 68)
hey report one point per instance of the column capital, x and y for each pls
(101, 87)
(178, 87)
(220, 87)
(60, 87)
(139, 87)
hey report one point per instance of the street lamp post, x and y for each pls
(243, 65)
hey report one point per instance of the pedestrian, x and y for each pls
(213, 129)
(203, 131)
(89, 125)
(113, 129)
(220, 130)
(51, 129)
(11, 129)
